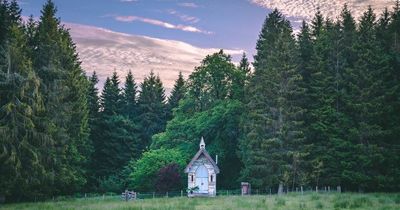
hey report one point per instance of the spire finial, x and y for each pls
(202, 144)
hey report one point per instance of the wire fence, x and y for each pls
(183, 193)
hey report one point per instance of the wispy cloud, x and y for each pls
(103, 50)
(128, 0)
(160, 23)
(188, 4)
(184, 17)
(306, 9)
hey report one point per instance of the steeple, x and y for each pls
(202, 144)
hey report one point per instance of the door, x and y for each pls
(202, 179)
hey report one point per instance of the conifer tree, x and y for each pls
(178, 93)
(273, 134)
(129, 96)
(152, 108)
(64, 88)
(117, 138)
(22, 166)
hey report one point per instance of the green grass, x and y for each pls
(373, 201)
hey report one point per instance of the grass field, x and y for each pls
(375, 201)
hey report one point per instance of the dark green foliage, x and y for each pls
(169, 178)
(216, 118)
(152, 109)
(129, 97)
(115, 138)
(271, 149)
(143, 176)
(177, 94)
(322, 109)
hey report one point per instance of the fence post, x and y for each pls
(339, 189)
(103, 196)
(329, 188)
(153, 194)
(181, 193)
(167, 194)
(316, 189)
(301, 188)
(227, 193)
(270, 192)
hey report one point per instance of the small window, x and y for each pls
(191, 177)
(212, 178)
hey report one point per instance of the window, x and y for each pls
(191, 177)
(211, 178)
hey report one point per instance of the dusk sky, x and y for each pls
(168, 36)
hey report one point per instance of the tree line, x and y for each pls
(318, 108)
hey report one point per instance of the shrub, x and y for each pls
(280, 201)
(110, 184)
(319, 205)
(143, 176)
(169, 178)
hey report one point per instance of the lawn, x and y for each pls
(374, 201)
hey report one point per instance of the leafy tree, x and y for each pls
(212, 80)
(169, 178)
(145, 170)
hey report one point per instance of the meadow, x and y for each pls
(372, 201)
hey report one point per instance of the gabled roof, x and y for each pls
(208, 157)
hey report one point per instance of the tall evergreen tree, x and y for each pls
(178, 93)
(111, 97)
(129, 96)
(273, 134)
(64, 89)
(152, 108)
(117, 138)
(22, 166)
(240, 78)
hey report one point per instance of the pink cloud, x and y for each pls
(161, 24)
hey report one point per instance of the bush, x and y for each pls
(169, 178)
(110, 184)
(143, 176)
(280, 201)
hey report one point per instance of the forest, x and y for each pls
(317, 108)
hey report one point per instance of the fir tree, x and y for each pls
(129, 96)
(152, 108)
(273, 133)
(178, 93)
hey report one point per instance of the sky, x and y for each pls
(168, 36)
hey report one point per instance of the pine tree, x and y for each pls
(178, 93)
(364, 102)
(273, 134)
(22, 166)
(111, 98)
(64, 87)
(152, 109)
(129, 97)
(116, 139)
(240, 78)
